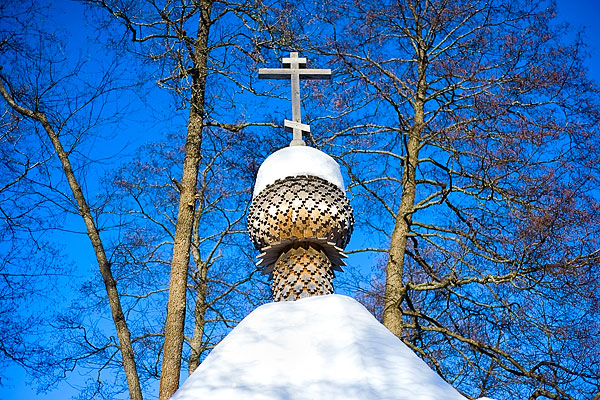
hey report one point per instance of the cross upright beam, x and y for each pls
(294, 68)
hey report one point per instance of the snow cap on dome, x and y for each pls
(296, 161)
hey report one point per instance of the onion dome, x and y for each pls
(300, 209)
(300, 220)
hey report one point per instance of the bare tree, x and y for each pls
(145, 204)
(198, 45)
(471, 131)
(38, 85)
(34, 113)
(28, 266)
(126, 226)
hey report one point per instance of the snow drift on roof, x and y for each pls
(323, 347)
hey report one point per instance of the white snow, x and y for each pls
(323, 347)
(295, 161)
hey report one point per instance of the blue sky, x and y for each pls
(580, 13)
(585, 14)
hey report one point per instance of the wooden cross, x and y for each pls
(294, 68)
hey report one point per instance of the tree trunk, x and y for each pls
(199, 319)
(395, 289)
(123, 333)
(394, 285)
(174, 327)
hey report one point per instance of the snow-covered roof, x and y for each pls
(323, 347)
(296, 161)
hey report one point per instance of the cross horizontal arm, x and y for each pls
(287, 61)
(285, 73)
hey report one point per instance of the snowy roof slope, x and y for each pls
(295, 161)
(323, 347)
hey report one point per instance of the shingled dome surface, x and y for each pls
(300, 207)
